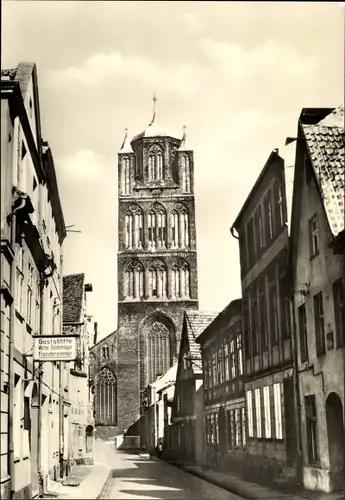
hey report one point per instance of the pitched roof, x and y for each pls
(73, 292)
(196, 322)
(325, 142)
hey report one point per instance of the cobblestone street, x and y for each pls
(134, 477)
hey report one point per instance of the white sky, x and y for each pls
(236, 73)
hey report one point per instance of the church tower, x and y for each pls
(157, 261)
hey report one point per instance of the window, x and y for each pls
(29, 296)
(243, 420)
(105, 397)
(180, 277)
(319, 325)
(251, 242)
(263, 315)
(239, 355)
(303, 333)
(232, 360)
(134, 236)
(246, 330)
(273, 313)
(267, 412)
(179, 227)
(278, 206)
(158, 349)
(259, 230)
(157, 231)
(220, 366)
(314, 236)
(37, 307)
(105, 352)
(278, 411)
(230, 427)
(311, 424)
(226, 362)
(134, 280)
(268, 217)
(250, 413)
(258, 413)
(238, 427)
(339, 312)
(125, 177)
(255, 323)
(155, 164)
(186, 180)
(158, 280)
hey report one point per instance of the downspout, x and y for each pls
(61, 388)
(13, 219)
(39, 416)
(297, 402)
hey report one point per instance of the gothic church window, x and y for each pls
(158, 280)
(125, 177)
(186, 181)
(180, 279)
(134, 232)
(155, 164)
(105, 352)
(158, 346)
(179, 227)
(105, 400)
(134, 280)
(157, 231)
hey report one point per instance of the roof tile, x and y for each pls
(325, 142)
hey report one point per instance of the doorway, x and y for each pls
(335, 429)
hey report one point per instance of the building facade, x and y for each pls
(222, 361)
(268, 359)
(79, 420)
(103, 384)
(32, 233)
(317, 248)
(187, 430)
(157, 262)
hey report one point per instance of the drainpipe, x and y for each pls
(297, 402)
(39, 416)
(61, 388)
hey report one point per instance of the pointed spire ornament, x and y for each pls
(126, 145)
(154, 109)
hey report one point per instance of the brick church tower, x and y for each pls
(157, 261)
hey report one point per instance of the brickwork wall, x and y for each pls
(131, 358)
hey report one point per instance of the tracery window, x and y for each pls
(158, 279)
(158, 348)
(186, 180)
(179, 227)
(105, 400)
(134, 280)
(134, 232)
(125, 177)
(180, 279)
(157, 227)
(155, 164)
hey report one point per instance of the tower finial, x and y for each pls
(154, 108)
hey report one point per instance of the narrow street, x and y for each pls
(134, 477)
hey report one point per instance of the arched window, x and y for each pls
(179, 227)
(158, 280)
(134, 280)
(134, 232)
(158, 348)
(92, 357)
(180, 280)
(125, 177)
(157, 230)
(105, 352)
(105, 400)
(186, 180)
(155, 164)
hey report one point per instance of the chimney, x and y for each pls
(95, 328)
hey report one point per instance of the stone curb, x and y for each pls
(105, 486)
(221, 484)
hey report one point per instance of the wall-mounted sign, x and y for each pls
(55, 348)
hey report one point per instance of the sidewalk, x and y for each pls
(88, 480)
(253, 491)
